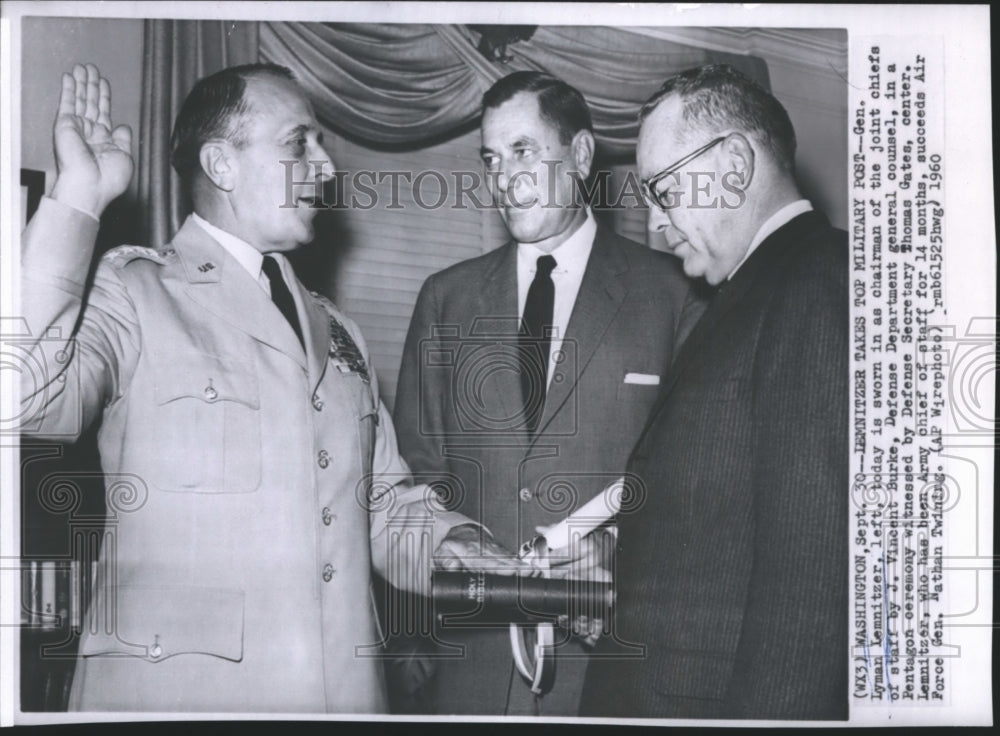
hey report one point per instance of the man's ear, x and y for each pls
(219, 164)
(583, 152)
(741, 159)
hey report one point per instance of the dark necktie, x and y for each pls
(281, 296)
(534, 338)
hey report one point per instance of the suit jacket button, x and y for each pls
(525, 494)
(155, 651)
(328, 572)
(210, 393)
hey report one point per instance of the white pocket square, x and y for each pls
(642, 379)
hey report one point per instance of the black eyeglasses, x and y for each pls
(662, 200)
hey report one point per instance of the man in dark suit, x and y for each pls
(733, 574)
(532, 423)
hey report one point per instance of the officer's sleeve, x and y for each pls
(407, 521)
(421, 396)
(75, 347)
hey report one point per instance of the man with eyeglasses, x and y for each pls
(733, 577)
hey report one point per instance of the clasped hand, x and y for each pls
(586, 558)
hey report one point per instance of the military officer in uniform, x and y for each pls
(239, 411)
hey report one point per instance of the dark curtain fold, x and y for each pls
(379, 83)
(176, 53)
(405, 84)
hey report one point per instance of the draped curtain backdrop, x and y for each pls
(176, 53)
(402, 85)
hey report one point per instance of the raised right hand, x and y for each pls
(93, 160)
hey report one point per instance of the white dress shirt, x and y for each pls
(245, 254)
(571, 261)
(780, 218)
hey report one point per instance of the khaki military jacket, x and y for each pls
(251, 484)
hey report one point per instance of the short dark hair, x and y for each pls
(559, 104)
(716, 96)
(215, 108)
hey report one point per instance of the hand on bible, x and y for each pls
(470, 547)
(587, 559)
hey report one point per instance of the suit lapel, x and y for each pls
(496, 317)
(224, 288)
(730, 294)
(723, 302)
(601, 294)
